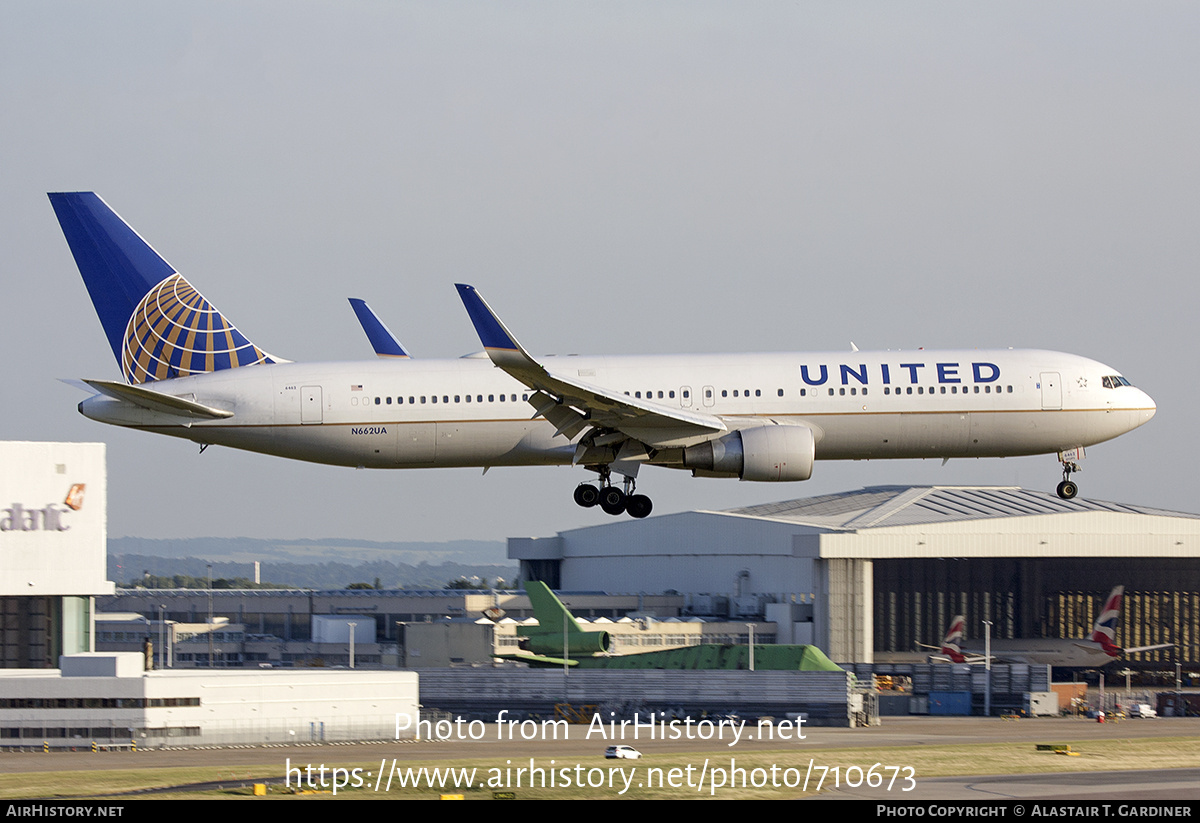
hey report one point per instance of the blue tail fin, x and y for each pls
(158, 325)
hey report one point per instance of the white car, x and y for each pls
(622, 753)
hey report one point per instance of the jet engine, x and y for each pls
(763, 453)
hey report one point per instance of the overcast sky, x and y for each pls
(614, 177)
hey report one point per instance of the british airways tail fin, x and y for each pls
(1104, 631)
(157, 324)
(952, 642)
(382, 340)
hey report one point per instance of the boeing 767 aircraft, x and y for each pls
(188, 372)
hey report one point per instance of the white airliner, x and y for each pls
(1098, 649)
(190, 373)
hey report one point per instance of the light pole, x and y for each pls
(750, 626)
(987, 669)
(211, 659)
(162, 628)
(352, 626)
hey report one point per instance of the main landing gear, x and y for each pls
(612, 499)
(1067, 489)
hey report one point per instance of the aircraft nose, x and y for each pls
(1147, 408)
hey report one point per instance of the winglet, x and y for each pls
(492, 332)
(382, 340)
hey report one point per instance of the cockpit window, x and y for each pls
(1112, 381)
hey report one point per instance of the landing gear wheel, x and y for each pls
(587, 495)
(612, 500)
(1067, 490)
(638, 505)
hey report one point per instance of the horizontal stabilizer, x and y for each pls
(157, 401)
(1159, 647)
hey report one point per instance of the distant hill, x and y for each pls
(322, 564)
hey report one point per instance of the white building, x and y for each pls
(53, 533)
(111, 699)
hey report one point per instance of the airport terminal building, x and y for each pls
(868, 574)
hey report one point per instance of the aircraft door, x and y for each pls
(310, 404)
(709, 397)
(685, 397)
(1051, 390)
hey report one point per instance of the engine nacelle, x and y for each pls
(763, 453)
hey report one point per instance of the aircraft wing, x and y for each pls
(537, 661)
(157, 401)
(572, 405)
(968, 659)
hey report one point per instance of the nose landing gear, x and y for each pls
(1067, 489)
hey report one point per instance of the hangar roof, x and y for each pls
(881, 506)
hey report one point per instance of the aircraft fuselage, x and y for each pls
(467, 412)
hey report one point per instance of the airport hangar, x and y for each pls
(866, 575)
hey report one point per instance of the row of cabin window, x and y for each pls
(415, 400)
(853, 390)
(708, 393)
